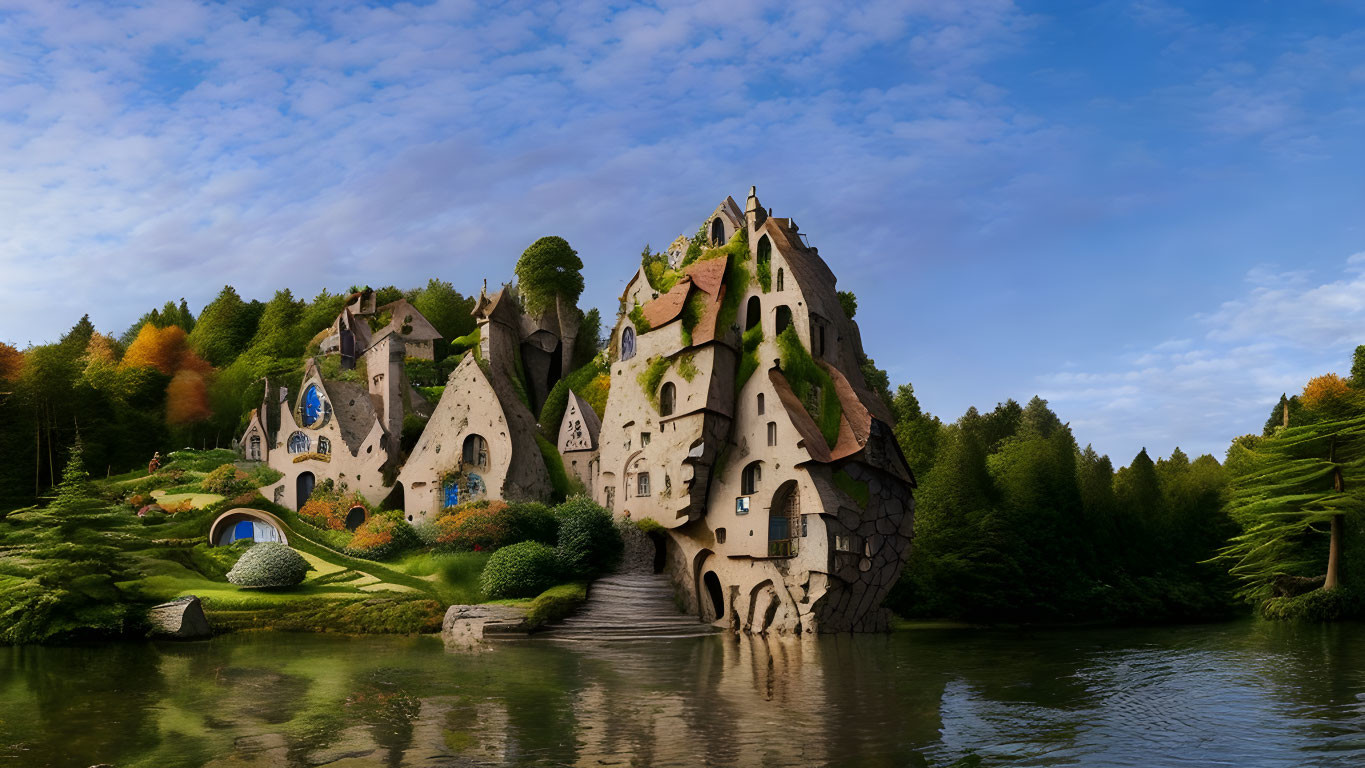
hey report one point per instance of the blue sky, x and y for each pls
(1151, 214)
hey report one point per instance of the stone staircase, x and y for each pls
(629, 606)
(632, 604)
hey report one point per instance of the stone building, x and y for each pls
(787, 502)
(333, 429)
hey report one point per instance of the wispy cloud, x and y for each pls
(1200, 393)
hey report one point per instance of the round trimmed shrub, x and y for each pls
(269, 564)
(588, 542)
(520, 570)
(474, 525)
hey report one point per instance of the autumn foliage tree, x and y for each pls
(11, 361)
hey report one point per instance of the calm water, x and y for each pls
(1246, 694)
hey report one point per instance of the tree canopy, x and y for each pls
(547, 270)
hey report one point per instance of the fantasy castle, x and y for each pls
(737, 418)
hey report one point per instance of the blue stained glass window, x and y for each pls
(243, 530)
(312, 405)
(452, 493)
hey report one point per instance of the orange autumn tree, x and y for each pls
(187, 398)
(11, 361)
(166, 350)
(1326, 390)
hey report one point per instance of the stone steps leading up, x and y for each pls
(629, 606)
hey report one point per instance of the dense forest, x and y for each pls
(1015, 521)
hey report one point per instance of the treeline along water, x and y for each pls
(1242, 693)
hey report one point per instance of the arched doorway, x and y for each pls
(303, 488)
(753, 312)
(716, 595)
(717, 231)
(355, 518)
(784, 521)
(784, 319)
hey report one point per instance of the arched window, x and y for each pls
(315, 409)
(666, 396)
(760, 403)
(748, 480)
(717, 231)
(772, 433)
(475, 451)
(765, 249)
(299, 443)
(753, 313)
(255, 452)
(781, 274)
(627, 343)
(324, 445)
(784, 319)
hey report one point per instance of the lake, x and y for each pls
(1239, 694)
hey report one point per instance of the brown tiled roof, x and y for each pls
(708, 275)
(667, 307)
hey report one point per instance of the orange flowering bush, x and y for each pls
(474, 525)
(382, 536)
(323, 514)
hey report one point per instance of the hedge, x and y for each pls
(588, 543)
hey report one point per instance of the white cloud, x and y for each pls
(1200, 393)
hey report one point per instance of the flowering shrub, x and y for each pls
(474, 525)
(269, 564)
(226, 480)
(326, 508)
(323, 514)
(382, 536)
(520, 570)
(137, 501)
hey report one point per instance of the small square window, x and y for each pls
(720, 535)
(742, 505)
(644, 439)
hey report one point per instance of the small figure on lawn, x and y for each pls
(154, 464)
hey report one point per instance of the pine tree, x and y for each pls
(1291, 491)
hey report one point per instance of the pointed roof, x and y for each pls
(579, 409)
(405, 314)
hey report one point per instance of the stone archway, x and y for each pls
(717, 232)
(242, 523)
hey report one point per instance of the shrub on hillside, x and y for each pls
(520, 570)
(226, 480)
(531, 521)
(383, 536)
(588, 542)
(269, 564)
(474, 525)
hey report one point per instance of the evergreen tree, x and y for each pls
(1291, 495)
(225, 327)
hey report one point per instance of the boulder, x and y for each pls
(466, 625)
(181, 618)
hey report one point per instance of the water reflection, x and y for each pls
(1246, 694)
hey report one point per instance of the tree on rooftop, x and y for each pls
(449, 311)
(550, 269)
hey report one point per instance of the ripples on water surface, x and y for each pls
(1246, 694)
